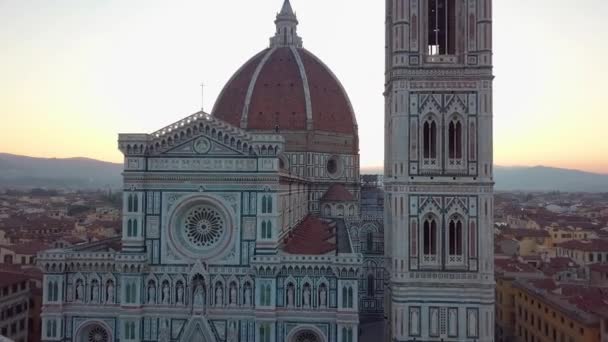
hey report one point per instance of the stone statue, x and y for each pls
(165, 293)
(94, 292)
(290, 296)
(247, 295)
(163, 332)
(323, 297)
(151, 293)
(415, 321)
(110, 292)
(69, 294)
(218, 296)
(233, 294)
(232, 332)
(453, 329)
(199, 296)
(79, 291)
(180, 294)
(472, 323)
(306, 296)
(434, 322)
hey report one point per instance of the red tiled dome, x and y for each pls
(286, 87)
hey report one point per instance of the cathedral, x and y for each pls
(253, 223)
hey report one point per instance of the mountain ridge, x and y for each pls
(17, 171)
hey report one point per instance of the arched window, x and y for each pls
(345, 297)
(263, 229)
(268, 230)
(263, 204)
(430, 237)
(134, 228)
(130, 203)
(268, 295)
(269, 205)
(370, 241)
(370, 285)
(429, 143)
(350, 297)
(455, 237)
(135, 203)
(129, 228)
(344, 335)
(455, 139)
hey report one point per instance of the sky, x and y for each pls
(75, 73)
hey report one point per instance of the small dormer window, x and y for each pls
(442, 27)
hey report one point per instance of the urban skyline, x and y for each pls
(82, 71)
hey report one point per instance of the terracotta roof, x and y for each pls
(28, 248)
(279, 94)
(599, 268)
(10, 278)
(595, 245)
(513, 266)
(520, 233)
(312, 236)
(337, 192)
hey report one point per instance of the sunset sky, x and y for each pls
(75, 73)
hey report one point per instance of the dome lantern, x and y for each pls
(287, 28)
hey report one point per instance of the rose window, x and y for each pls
(307, 336)
(204, 226)
(98, 334)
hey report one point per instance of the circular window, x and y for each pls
(200, 226)
(97, 334)
(334, 167)
(204, 226)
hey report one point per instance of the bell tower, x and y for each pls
(438, 170)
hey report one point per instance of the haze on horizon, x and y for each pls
(75, 73)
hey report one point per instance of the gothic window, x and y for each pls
(430, 237)
(455, 139)
(455, 237)
(347, 334)
(472, 239)
(370, 285)
(442, 27)
(135, 203)
(370, 241)
(264, 200)
(350, 298)
(132, 228)
(51, 328)
(129, 330)
(265, 332)
(429, 143)
(414, 239)
(53, 291)
(130, 295)
(472, 142)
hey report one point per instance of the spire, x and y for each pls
(287, 28)
(287, 10)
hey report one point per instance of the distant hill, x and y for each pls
(82, 173)
(540, 178)
(72, 173)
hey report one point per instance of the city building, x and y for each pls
(549, 312)
(507, 271)
(584, 252)
(234, 224)
(14, 306)
(438, 173)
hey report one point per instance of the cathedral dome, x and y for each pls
(286, 88)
